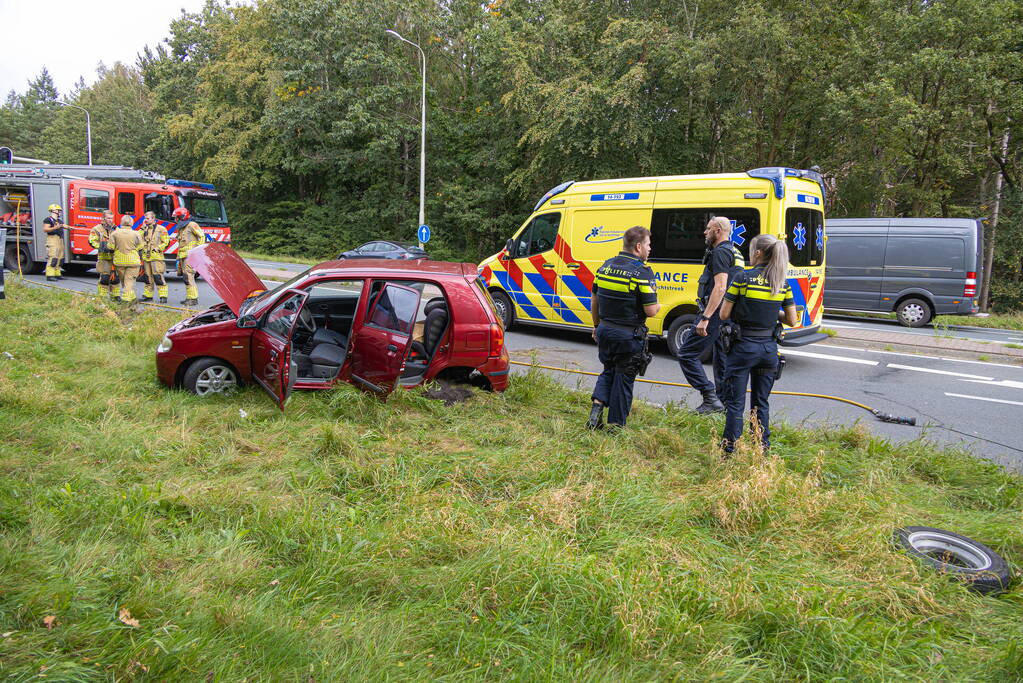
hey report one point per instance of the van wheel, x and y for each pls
(504, 307)
(913, 312)
(676, 333)
(210, 376)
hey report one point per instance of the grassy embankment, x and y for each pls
(148, 533)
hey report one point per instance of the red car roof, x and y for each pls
(396, 268)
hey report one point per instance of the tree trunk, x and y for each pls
(989, 241)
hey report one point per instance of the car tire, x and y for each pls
(965, 559)
(208, 376)
(504, 307)
(913, 312)
(676, 333)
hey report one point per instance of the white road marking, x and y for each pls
(843, 359)
(940, 372)
(985, 398)
(999, 383)
(918, 355)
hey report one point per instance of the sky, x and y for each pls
(71, 37)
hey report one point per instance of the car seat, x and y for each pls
(326, 360)
(436, 323)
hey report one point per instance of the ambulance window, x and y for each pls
(538, 236)
(804, 236)
(126, 203)
(95, 200)
(676, 235)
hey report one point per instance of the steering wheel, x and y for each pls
(306, 321)
(543, 245)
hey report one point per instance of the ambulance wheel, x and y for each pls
(677, 332)
(913, 312)
(505, 310)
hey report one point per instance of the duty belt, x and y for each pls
(753, 332)
(623, 328)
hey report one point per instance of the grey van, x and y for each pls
(916, 267)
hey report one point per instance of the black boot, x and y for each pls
(146, 298)
(50, 278)
(710, 404)
(596, 420)
(163, 299)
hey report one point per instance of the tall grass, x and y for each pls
(351, 539)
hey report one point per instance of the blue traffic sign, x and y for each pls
(424, 233)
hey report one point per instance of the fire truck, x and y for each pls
(85, 192)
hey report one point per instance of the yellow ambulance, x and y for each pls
(544, 275)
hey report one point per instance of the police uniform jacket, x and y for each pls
(754, 306)
(623, 286)
(724, 258)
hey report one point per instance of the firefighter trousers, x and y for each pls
(153, 276)
(54, 254)
(104, 287)
(188, 272)
(127, 275)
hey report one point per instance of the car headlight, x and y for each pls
(165, 345)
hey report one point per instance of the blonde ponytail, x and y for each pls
(774, 258)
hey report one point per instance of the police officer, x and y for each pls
(756, 301)
(154, 244)
(189, 238)
(99, 239)
(722, 262)
(624, 296)
(127, 262)
(54, 228)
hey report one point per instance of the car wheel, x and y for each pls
(210, 376)
(972, 562)
(677, 331)
(913, 312)
(504, 307)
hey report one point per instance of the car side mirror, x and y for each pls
(508, 248)
(247, 321)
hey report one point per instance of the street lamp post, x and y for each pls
(422, 136)
(88, 127)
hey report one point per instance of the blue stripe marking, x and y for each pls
(517, 296)
(797, 297)
(613, 196)
(576, 286)
(552, 299)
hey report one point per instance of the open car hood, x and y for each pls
(227, 273)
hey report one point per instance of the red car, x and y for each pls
(374, 323)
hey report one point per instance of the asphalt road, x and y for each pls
(971, 404)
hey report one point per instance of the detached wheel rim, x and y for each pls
(216, 379)
(949, 550)
(913, 313)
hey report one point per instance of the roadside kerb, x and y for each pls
(935, 342)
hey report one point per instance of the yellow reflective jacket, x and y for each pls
(126, 243)
(101, 233)
(154, 242)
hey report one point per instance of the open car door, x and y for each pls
(381, 343)
(272, 365)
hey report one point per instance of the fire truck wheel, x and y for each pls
(28, 266)
(208, 376)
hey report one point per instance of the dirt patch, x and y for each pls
(449, 392)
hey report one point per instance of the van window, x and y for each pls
(95, 200)
(804, 236)
(925, 253)
(676, 235)
(538, 236)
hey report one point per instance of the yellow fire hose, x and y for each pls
(884, 417)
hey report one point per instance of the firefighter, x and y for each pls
(99, 239)
(722, 263)
(624, 296)
(189, 237)
(756, 301)
(127, 262)
(154, 244)
(54, 228)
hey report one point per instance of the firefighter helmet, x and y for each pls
(181, 214)
(54, 207)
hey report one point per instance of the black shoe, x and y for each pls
(116, 298)
(710, 404)
(163, 299)
(185, 302)
(146, 298)
(614, 429)
(50, 278)
(60, 277)
(596, 419)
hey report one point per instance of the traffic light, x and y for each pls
(6, 155)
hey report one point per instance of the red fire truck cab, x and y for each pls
(85, 192)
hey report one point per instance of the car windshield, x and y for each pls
(257, 299)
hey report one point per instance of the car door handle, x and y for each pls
(392, 348)
(575, 266)
(548, 266)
